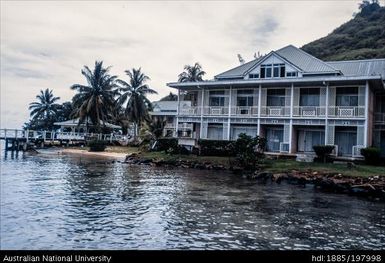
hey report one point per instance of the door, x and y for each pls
(345, 139)
(274, 137)
(307, 139)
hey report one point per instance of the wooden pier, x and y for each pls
(16, 140)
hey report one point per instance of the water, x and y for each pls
(51, 201)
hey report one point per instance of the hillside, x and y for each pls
(362, 37)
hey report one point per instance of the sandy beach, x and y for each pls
(96, 154)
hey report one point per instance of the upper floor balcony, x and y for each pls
(280, 111)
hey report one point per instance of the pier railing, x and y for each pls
(57, 136)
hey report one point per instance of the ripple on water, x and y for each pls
(66, 202)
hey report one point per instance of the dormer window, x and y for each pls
(254, 76)
(272, 71)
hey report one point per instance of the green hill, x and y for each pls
(362, 37)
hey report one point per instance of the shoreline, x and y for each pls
(371, 186)
(111, 155)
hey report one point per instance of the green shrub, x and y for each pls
(372, 155)
(248, 150)
(166, 144)
(323, 151)
(215, 148)
(96, 146)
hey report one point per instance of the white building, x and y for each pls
(168, 110)
(292, 99)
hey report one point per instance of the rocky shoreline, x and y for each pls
(373, 186)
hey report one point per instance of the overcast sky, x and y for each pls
(46, 44)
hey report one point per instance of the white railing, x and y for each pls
(335, 150)
(379, 117)
(346, 111)
(169, 126)
(356, 151)
(283, 147)
(51, 136)
(190, 111)
(275, 111)
(309, 111)
(245, 110)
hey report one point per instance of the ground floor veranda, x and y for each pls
(290, 136)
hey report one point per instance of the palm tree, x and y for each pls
(45, 109)
(95, 101)
(191, 73)
(134, 93)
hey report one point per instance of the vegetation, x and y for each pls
(44, 110)
(95, 100)
(248, 150)
(372, 155)
(170, 97)
(191, 73)
(215, 148)
(96, 146)
(363, 37)
(133, 94)
(323, 151)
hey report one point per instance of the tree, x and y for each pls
(170, 97)
(156, 127)
(95, 101)
(191, 73)
(65, 111)
(44, 110)
(133, 94)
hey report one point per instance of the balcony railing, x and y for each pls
(309, 111)
(281, 111)
(346, 111)
(185, 126)
(221, 111)
(275, 111)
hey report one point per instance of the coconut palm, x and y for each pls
(133, 95)
(95, 101)
(191, 73)
(45, 109)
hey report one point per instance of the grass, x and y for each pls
(280, 166)
(275, 166)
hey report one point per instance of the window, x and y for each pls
(217, 98)
(291, 74)
(272, 70)
(347, 96)
(254, 76)
(276, 97)
(309, 97)
(245, 98)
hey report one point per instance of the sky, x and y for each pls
(45, 44)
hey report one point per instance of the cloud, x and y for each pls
(48, 51)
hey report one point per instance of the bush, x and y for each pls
(215, 148)
(166, 144)
(97, 146)
(323, 151)
(372, 155)
(248, 150)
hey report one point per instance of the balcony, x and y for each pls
(346, 111)
(275, 111)
(220, 111)
(309, 111)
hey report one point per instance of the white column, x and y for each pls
(229, 116)
(327, 114)
(177, 115)
(366, 129)
(259, 109)
(202, 104)
(291, 117)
